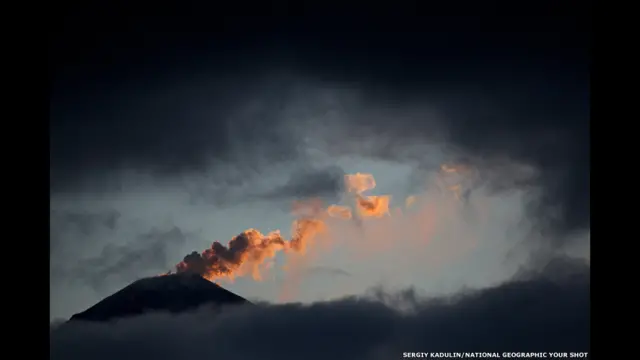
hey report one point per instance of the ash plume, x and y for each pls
(249, 252)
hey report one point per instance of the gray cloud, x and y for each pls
(547, 312)
(521, 93)
(311, 182)
(124, 263)
(487, 126)
(303, 182)
(84, 222)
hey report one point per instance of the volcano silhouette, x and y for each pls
(170, 293)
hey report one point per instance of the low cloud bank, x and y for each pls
(537, 311)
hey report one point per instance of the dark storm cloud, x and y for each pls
(149, 252)
(510, 86)
(168, 129)
(545, 313)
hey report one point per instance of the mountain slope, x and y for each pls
(170, 293)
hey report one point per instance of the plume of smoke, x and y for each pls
(248, 252)
(245, 253)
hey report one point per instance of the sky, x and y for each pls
(165, 137)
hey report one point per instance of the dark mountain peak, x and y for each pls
(172, 282)
(169, 293)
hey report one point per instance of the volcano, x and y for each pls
(170, 293)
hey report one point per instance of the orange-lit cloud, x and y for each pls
(316, 228)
